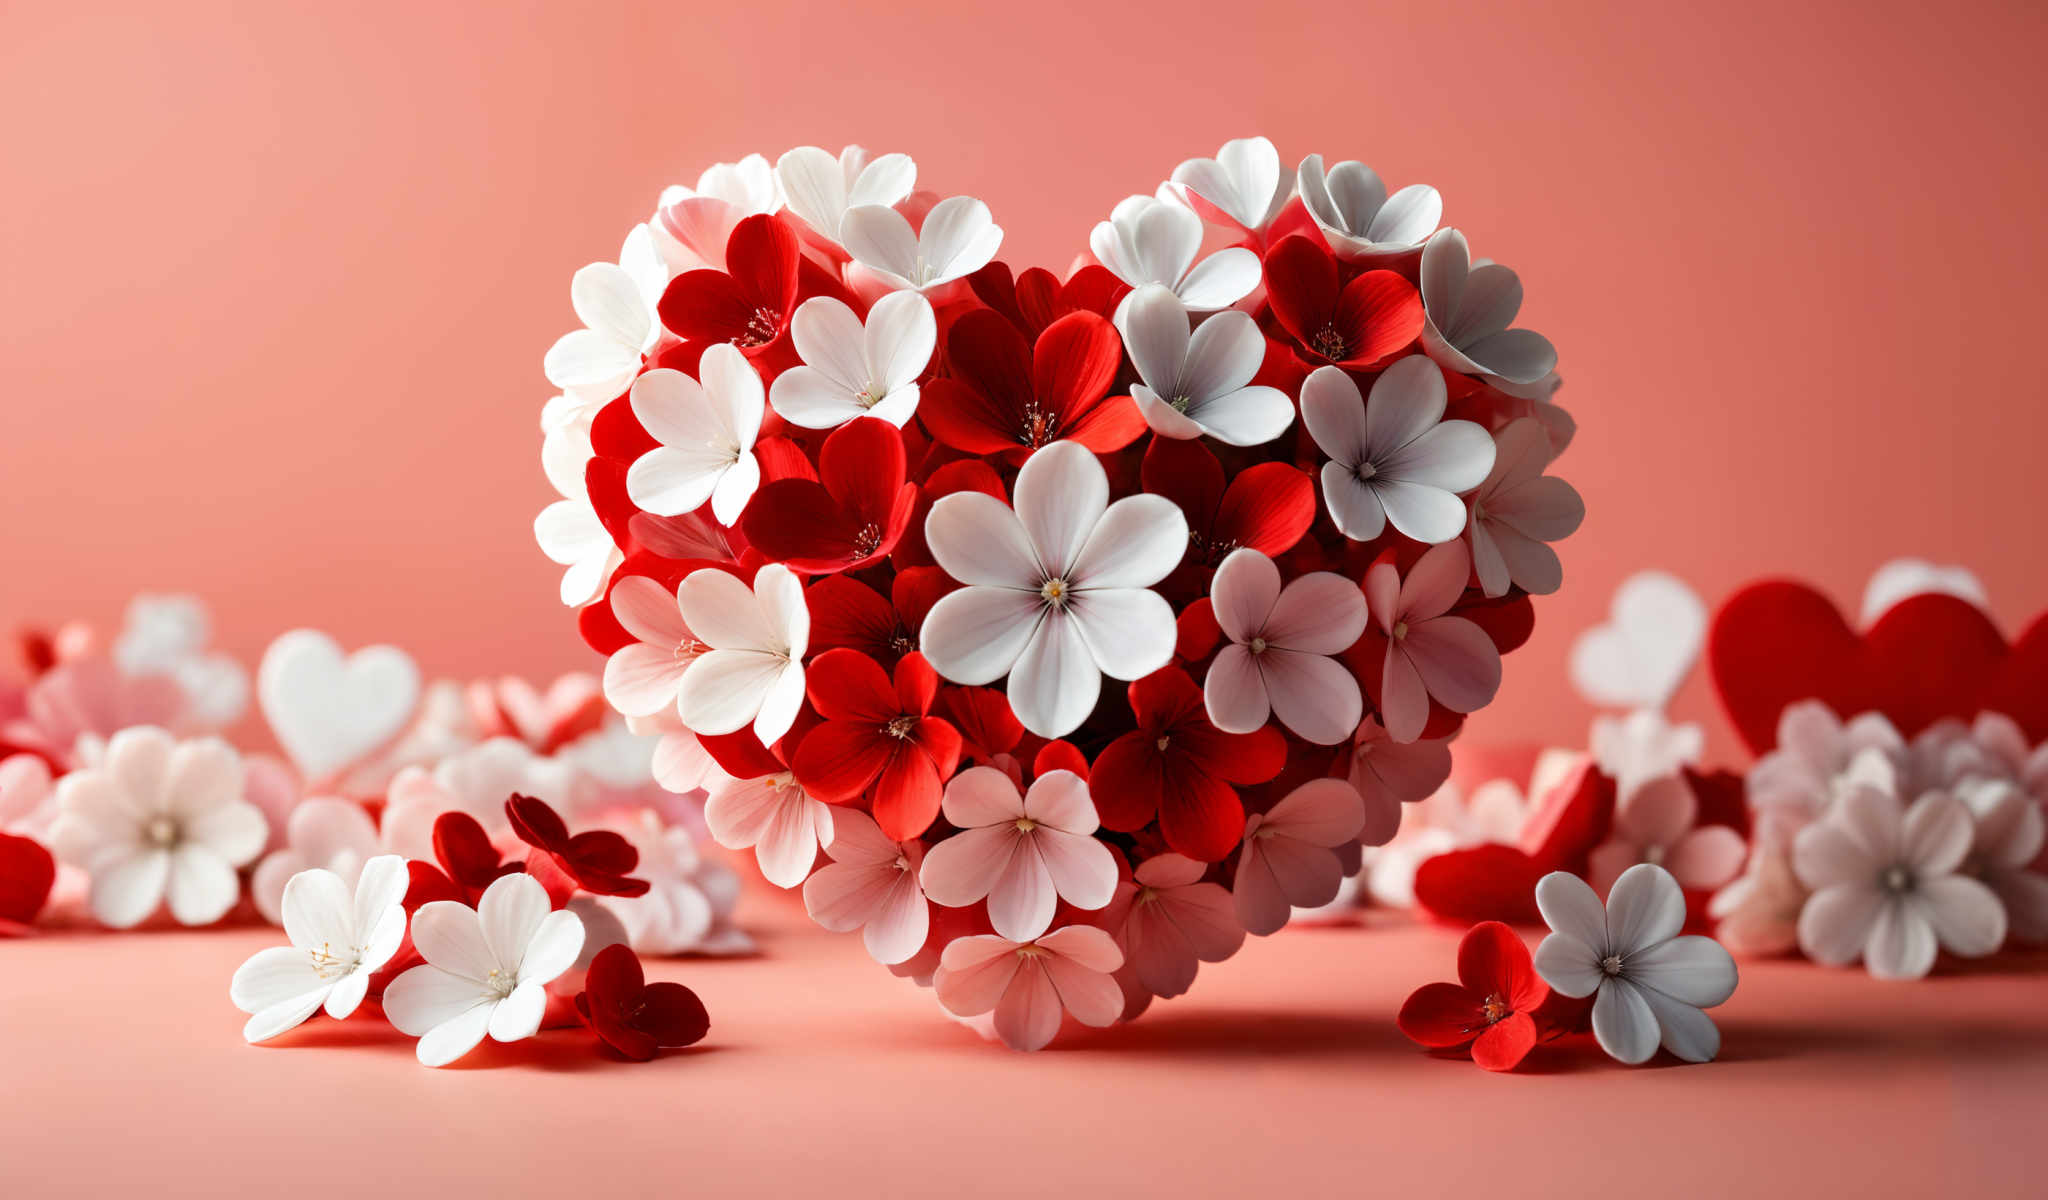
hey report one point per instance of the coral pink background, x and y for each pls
(277, 283)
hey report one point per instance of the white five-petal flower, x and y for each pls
(1467, 309)
(1058, 591)
(1201, 382)
(159, 820)
(1243, 182)
(1280, 658)
(568, 530)
(820, 188)
(1030, 985)
(1394, 459)
(340, 937)
(1023, 851)
(487, 969)
(1146, 240)
(642, 679)
(1361, 222)
(706, 430)
(753, 671)
(871, 885)
(957, 239)
(1517, 509)
(616, 303)
(1652, 983)
(852, 369)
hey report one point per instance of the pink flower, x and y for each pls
(28, 797)
(2005, 840)
(92, 698)
(1404, 772)
(1289, 856)
(871, 885)
(1759, 912)
(322, 833)
(1654, 823)
(774, 815)
(1175, 921)
(1023, 852)
(1030, 984)
(1886, 888)
(642, 679)
(1429, 655)
(1279, 658)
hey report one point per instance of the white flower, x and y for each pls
(957, 239)
(1643, 746)
(641, 679)
(1351, 206)
(167, 635)
(2007, 836)
(1517, 509)
(1199, 383)
(1818, 759)
(333, 836)
(753, 671)
(477, 780)
(1244, 182)
(1395, 459)
(28, 796)
(1147, 240)
(616, 303)
(871, 885)
(1886, 888)
(1430, 654)
(568, 530)
(749, 185)
(159, 820)
(1642, 654)
(1023, 851)
(1652, 983)
(706, 430)
(1058, 591)
(1289, 856)
(774, 815)
(1467, 309)
(340, 934)
(1029, 985)
(820, 188)
(1174, 922)
(689, 900)
(487, 969)
(1281, 656)
(853, 370)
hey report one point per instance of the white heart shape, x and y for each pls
(1648, 646)
(1905, 577)
(329, 711)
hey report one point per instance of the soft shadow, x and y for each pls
(561, 1052)
(1944, 1042)
(1243, 1034)
(362, 1031)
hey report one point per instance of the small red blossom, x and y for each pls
(1493, 1008)
(749, 303)
(469, 863)
(1036, 297)
(598, 861)
(27, 872)
(1180, 768)
(1267, 507)
(848, 517)
(634, 1017)
(879, 739)
(1357, 324)
(1006, 397)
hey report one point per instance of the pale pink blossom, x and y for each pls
(476, 781)
(1281, 656)
(2005, 841)
(1289, 857)
(776, 818)
(1174, 920)
(1031, 985)
(1430, 655)
(1758, 913)
(322, 833)
(1383, 769)
(1656, 822)
(643, 677)
(688, 907)
(871, 884)
(1022, 851)
(1517, 510)
(1817, 759)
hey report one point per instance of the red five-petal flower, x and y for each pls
(1356, 325)
(851, 516)
(1180, 767)
(466, 855)
(880, 733)
(1492, 1007)
(597, 862)
(1009, 398)
(1266, 507)
(635, 1017)
(751, 306)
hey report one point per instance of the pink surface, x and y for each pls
(279, 278)
(1281, 1074)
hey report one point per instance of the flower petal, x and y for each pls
(1624, 1023)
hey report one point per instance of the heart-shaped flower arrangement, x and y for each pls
(1068, 619)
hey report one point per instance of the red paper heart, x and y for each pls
(1498, 883)
(27, 872)
(1928, 658)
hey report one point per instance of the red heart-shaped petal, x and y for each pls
(27, 872)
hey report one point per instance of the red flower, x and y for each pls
(27, 872)
(597, 861)
(1037, 298)
(1357, 324)
(847, 518)
(1179, 767)
(635, 1017)
(469, 863)
(878, 734)
(751, 306)
(1267, 507)
(1009, 398)
(1492, 1008)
